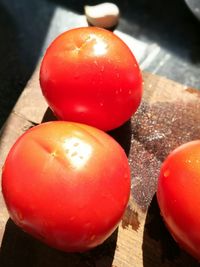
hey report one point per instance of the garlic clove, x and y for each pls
(105, 15)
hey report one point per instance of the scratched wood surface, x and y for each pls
(168, 116)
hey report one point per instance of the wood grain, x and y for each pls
(168, 116)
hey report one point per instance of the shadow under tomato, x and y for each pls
(122, 134)
(48, 116)
(20, 249)
(159, 248)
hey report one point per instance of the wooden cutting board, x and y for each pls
(168, 116)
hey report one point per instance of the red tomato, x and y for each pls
(179, 195)
(89, 75)
(67, 184)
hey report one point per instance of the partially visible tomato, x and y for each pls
(179, 195)
(67, 184)
(89, 75)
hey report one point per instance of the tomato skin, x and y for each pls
(89, 75)
(179, 198)
(66, 184)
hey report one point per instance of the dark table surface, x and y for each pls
(167, 29)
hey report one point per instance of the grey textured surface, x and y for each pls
(167, 30)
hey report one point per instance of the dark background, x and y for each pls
(24, 26)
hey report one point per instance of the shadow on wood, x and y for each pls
(20, 249)
(48, 116)
(123, 136)
(159, 248)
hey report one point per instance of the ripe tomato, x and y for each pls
(67, 184)
(89, 75)
(179, 195)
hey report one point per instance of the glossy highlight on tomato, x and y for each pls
(89, 75)
(66, 184)
(178, 195)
